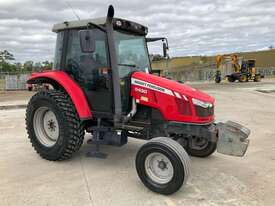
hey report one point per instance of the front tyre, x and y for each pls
(200, 147)
(163, 165)
(218, 78)
(53, 125)
(231, 78)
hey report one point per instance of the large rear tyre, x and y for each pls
(53, 125)
(163, 165)
(257, 78)
(243, 78)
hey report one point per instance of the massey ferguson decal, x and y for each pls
(148, 85)
(140, 90)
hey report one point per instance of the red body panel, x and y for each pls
(72, 88)
(161, 94)
(150, 90)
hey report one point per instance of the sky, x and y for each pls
(193, 27)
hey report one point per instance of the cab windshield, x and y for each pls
(132, 53)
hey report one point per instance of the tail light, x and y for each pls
(184, 106)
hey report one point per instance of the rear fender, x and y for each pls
(62, 79)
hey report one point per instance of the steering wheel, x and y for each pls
(74, 68)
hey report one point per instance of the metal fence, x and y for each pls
(208, 74)
(9, 81)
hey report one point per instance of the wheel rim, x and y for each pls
(46, 126)
(159, 168)
(198, 143)
(243, 78)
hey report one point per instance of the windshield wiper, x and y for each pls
(128, 65)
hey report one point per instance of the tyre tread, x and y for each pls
(180, 151)
(67, 108)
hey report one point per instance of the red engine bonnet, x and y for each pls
(164, 95)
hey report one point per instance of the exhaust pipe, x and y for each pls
(132, 112)
(113, 62)
(111, 12)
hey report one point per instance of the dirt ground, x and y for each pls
(26, 179)
(7, 96)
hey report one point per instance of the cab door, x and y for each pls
(92, 72)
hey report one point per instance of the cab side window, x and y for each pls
(90, 70)
(58, 51)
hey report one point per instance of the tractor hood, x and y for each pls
(170, 86)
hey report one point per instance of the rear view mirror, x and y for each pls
(87, 41)
(165, 48)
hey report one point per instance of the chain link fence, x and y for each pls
(10, 81)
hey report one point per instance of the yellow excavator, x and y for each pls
(244, 70)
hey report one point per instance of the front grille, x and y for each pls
(183, 107)
(204, 112)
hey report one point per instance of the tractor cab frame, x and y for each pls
(101, 54)
(114, 49)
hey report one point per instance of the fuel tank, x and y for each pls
(176, 101)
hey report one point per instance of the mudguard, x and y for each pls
(70, 86)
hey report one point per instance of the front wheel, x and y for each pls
(231, 79)
(218, 78)
(198, 146)
(163, 165)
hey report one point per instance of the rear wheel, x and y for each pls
(53, 125)
(257, 78)
(243, 78)
(163, 165)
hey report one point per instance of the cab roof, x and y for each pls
(78, 24)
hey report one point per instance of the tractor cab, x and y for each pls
(248, 65)
(94, 56)
(251, 63)
(101, 55)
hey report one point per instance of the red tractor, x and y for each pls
(103, 84)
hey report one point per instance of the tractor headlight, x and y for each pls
(118, 23)
(201, 103)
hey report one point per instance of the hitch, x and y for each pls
(232, 138)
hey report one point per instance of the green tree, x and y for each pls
(37, 66)
(156, 57)
(5, 66)
(28, 66)
(6, 55)
(47, 64)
